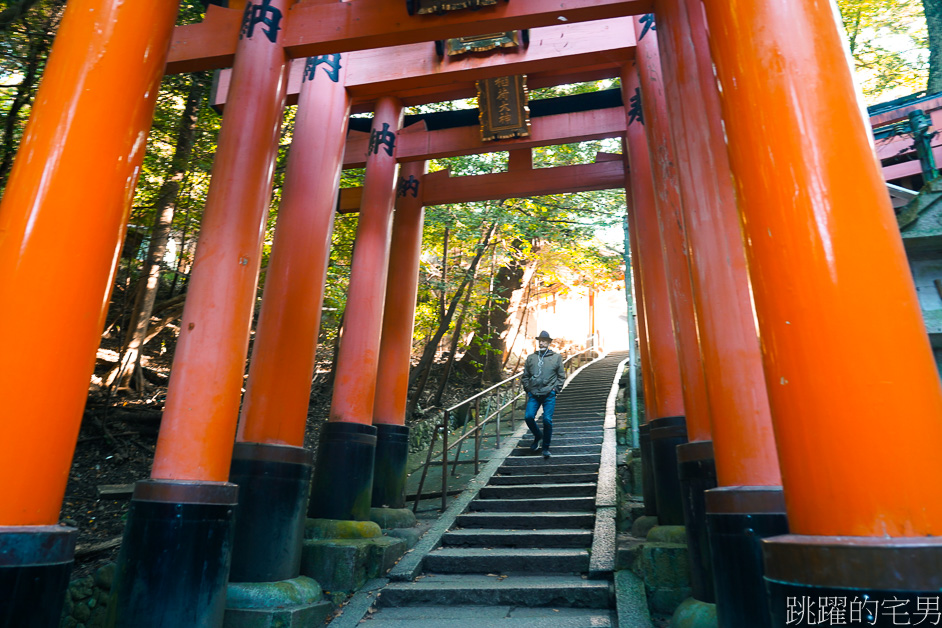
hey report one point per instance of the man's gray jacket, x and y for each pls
(543, 373)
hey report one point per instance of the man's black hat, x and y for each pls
(544, 335)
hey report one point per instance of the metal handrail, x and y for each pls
(484, 392)
(478, 429)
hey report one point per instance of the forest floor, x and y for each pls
(116, 446)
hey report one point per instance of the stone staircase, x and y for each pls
(528, 550)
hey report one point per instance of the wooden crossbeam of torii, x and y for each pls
(438, 188)
(417, 144)
(323, 27)
(416, 75)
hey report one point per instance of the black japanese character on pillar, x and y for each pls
(635, 112)
(406, 186)
(331, 67)
(262, 13)
(648, 21)
(379, 138)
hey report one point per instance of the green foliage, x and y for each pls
(573, 88)
(888, 41)
(24, 49)
(555, 235)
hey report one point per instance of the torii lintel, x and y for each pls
(415, 74)
(315, 27)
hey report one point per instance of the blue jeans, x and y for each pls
(533, 404)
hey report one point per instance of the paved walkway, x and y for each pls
(531, 541)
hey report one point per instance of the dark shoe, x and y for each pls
(537, 434)
(546, 454)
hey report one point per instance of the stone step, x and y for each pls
(586, 402)
(526, 521)
(560, 591)
(578, 430)
(531, 491)
(594, 442)
(576, 438)
(577, 416)
(549, 478)
(502, 616)
(550, 504)
(517, 461)
(553, 465)
(478, 560)
(559, 449)
(554, 537)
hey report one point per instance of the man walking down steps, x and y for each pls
(543, 377)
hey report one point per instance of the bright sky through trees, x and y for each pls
(888, 41)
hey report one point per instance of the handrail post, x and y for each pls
(500, 408)
(445, 460)
(454, 465)
(477, 433)
(428, 460)
(513, 409)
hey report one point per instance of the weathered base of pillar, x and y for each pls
(663, 565)
(393, 518)
(273, 481)
(738, 518)
(666, 434)
(343, 476)
(35, 565)
(175, 557)
(292, 603)
(316, 529)
(647, 470)
(642, 525)
(697, 473)
(880, 581)
(389, 468)
(344, 565)
(692, 613)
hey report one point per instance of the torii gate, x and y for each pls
(818, 233)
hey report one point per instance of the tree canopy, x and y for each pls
(889, 43)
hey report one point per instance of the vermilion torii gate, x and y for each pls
(813, 226)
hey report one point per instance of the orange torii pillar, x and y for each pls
(667, 405)
(750, 505)
(697, 457)
(270, 464)
(847, 361)
(343, 476)
(175, 557)
(82, 148)
(395, 352)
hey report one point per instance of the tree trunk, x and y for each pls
(130, 362)
(14, 11)
(421, 371)
(933, 9)
(487, 349)
(453, 349)
(522, 308)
